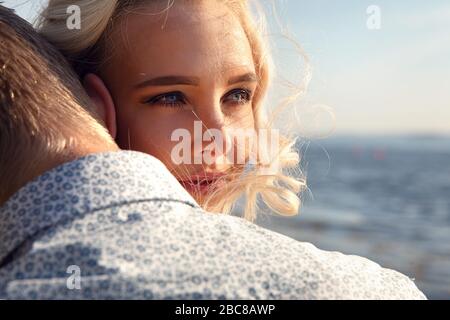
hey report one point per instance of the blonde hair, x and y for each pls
(272, 185)
(38, 89)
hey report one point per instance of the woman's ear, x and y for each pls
(100, 95)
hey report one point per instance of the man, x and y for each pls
(81, 219)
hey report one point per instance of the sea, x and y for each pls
(386, 198)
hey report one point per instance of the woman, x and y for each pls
(159, 70)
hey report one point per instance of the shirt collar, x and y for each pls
(82, 186)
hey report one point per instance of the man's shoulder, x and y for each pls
(164, 249)
(84, 186)
(123, 226)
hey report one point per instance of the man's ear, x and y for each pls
(99, 94)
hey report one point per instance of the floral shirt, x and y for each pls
(119, 226)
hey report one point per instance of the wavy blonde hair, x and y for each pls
(273, 185)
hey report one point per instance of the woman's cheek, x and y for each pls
(154, 139)
(154, 136)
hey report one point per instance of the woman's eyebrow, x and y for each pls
(169, 81)
(248, 77)
(191, 81)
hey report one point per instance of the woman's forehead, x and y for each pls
(190, 37)
(178, 12)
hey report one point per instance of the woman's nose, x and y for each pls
(209, 111)
(211, 135)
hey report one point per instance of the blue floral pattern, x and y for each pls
(135, 233)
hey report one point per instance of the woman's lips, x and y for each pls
(202, 183)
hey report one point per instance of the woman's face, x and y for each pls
(167, 71)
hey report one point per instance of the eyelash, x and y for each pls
(157, 99)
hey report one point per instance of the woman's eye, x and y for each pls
(171, 99)
(238, 96)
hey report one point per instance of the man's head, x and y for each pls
(46, 118)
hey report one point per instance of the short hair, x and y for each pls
(44, 109)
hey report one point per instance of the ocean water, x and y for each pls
(385, 198)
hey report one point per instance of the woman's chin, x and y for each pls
(201, 193)
(201, 190)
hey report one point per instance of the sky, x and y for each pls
(389, 80)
